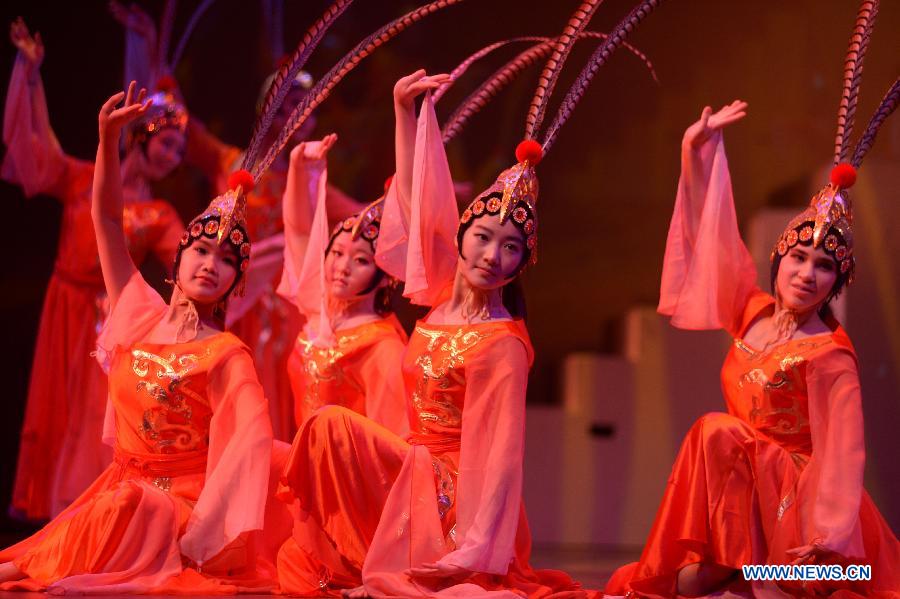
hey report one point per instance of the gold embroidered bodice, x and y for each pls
(159, 392)
(323, 376)
(435, 373)
(768, 389)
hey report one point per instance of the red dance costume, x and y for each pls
(180, 507)
(60, 452)
(374, 504)
(784, 467)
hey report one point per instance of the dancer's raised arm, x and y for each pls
(34, 159)
(107, 202)
(708, 274)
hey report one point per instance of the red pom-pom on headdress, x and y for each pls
(166, 83)
(529, 150)
(242, 178)
(843, 175)
(387, 183)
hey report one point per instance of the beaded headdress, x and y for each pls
(165, 112)
(513, 195)
(225, 217)
(225, 221)
(365, 224)
(828, 220)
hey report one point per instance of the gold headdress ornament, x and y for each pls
(225, 217)
(513, 195)
(828, 220)
(166, 112)
(225, 220)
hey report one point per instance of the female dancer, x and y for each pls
(187, 416)
(352, 345)
(777, 480)
(60, 451)
(448, 516)
(268, 323)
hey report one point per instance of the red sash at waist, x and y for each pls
(162, 464)
(436, 444)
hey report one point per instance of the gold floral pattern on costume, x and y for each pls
(440, 376)
(322, 365)
(168, 422)
(775, 380)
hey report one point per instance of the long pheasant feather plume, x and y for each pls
(485, 92)
(853, 69)
(166, 23)
(281, 84)
(561, 50)
(462, 67)
(188, 30)
(323, 88)
(887, 106)
(598, 59)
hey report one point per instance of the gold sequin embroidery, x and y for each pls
(168, 424)
(322, 365)
(445, 353)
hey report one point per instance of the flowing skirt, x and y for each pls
(342, 469)
(731, 500)
(122, 536)
(60, 450)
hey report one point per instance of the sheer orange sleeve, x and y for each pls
(34, 159)
(489, 494)
(708, 274)
(838, 458)
(233, 499)
(383, 377)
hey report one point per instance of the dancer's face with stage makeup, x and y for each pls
(207, 270)
(349, 267)
(491, 252)
(805, 277)
(163, 152)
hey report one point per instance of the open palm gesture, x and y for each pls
(408, 88)
(32, 48)
(711, 122)
(313, 150)
(113, 119)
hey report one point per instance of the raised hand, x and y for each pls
(711, 122)
(133, 18)
(112, 119)
(307, 151)
(408, 88)
(31, 48)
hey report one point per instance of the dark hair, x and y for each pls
(513, 297)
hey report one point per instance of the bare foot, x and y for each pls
(357, 593)
(9, 572)
(696, 580)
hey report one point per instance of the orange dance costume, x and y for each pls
(371, 504)
(187, 487)
(60, 451)
(784, 467)
(357, 367)
(262, 318)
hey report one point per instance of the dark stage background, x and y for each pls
(607, 188)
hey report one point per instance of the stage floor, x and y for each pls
(591, 566)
